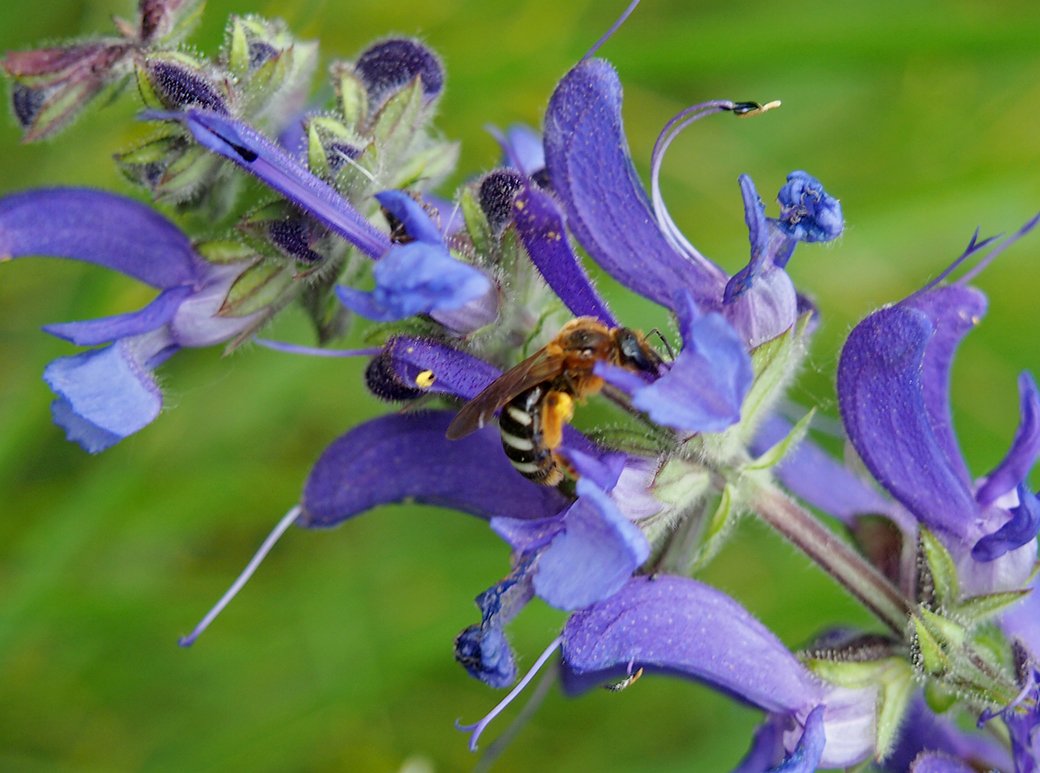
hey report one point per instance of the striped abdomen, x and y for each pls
(527, 441)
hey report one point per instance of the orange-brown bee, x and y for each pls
(537, 396)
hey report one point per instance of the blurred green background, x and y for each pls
(921, 116)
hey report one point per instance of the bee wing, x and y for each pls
(540, 366)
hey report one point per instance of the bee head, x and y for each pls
(633, 352)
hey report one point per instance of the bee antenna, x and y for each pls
(276, 533)
(664, 342)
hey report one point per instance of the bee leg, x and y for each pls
(564, 465)
(557, 410)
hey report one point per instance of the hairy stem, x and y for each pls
(835, 556)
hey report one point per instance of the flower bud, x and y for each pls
(391, 64)
(174, 81)
(53, 85)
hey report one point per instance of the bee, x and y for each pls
(537, 396)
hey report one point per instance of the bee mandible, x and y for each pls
(537, 396)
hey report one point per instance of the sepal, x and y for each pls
(52, 86)
(167, 21)
(865, 662)
(257, 288)
(169, 167)
(273, 70)
(942, 569)
(774, 363)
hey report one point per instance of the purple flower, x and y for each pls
(893, 387)
(605, 206)
(419, 277)
(681, 627)
(108, 393)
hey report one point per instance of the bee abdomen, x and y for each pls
(523, 439)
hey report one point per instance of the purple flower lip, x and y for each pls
(107, 394)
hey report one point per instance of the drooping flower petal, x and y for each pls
(527, 535)
(540, 227)
(606, 206)
(100, 331)
(681, 626)
(594, 556)
(104, 395)
(406, 457)
(705, 386)
(276, 168)
(417, 224)
(808, 751)
(416, 278)
(485, 653)
(483, 649)
(1025, 447)
(100, 228)
(892, 388)
(1020, 530)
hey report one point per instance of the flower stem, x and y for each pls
(833, 555)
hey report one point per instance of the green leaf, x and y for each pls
(942, 568)
(774, 455)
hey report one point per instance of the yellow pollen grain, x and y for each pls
(425, 379)
(519, 205)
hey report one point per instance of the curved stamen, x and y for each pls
(613, 28)
(476, 729)
(671, 130)
(243, 578)
(281, 346)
